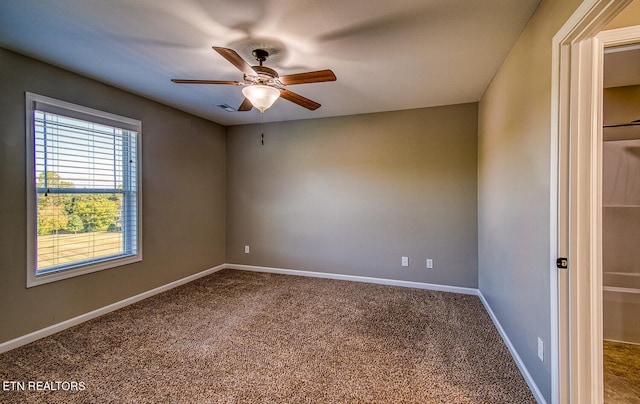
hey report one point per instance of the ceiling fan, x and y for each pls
(263, 85)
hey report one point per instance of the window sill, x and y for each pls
(36, 280)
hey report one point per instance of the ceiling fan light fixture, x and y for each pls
(261, 96)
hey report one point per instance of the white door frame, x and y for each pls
(576, 146)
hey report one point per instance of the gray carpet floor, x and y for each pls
(237, 336)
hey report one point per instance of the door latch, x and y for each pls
(562, 263)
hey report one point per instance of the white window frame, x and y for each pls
(38, 102)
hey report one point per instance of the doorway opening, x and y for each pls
(621, 223)
(578, 143)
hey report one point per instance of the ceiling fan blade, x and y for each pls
(298, 99)
(236, 60)
(181, 81)
(308, 77)
(246, 105)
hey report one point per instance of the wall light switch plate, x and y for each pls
(405, 261)
(429, 263)
(540, 349)
(246, 249)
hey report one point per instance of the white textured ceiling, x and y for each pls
(387, 54)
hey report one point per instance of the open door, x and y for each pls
(577, 142)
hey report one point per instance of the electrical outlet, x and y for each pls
(429, 263)
(540, 349)
(405, 261)
(246, 249)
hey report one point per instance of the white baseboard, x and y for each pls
(514, 354)
(45, 332)
(355, 278)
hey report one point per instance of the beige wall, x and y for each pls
(514, 212)
(183, 182)
(620, 105)
(354, 194)
(628, 17)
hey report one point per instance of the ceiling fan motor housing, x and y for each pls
(265, 75)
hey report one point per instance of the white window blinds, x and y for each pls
(85, 178)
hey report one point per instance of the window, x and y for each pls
(83, 190)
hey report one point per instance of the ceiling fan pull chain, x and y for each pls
(262, 130)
